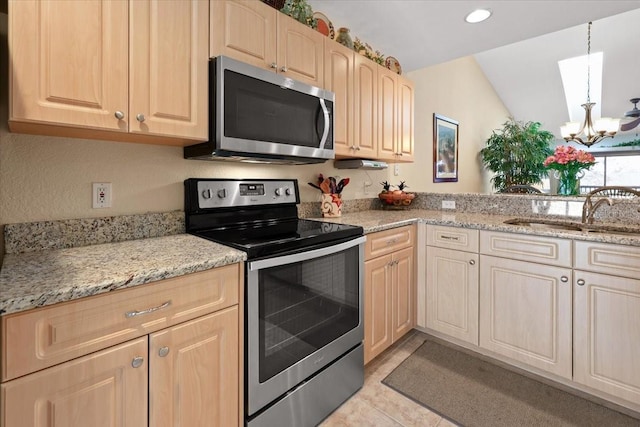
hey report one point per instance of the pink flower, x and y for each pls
(567, 158)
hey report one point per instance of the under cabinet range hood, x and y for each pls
(258, 115)
(360, 164)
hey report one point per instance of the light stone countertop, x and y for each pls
(34, 279)
(373, 221)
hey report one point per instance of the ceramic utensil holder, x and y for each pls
(331, 205)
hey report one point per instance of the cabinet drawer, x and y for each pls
(44, 337)
(385, 242)
(618, 260)
(545, 250)
(462, 239)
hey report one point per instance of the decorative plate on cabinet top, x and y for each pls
(393, 64)
(324, 25)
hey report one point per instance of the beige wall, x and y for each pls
(459, 90)
(46, 178)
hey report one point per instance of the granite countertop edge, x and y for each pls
(37, 279)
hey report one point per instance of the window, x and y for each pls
(612, 170)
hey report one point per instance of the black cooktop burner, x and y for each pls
(260, 240)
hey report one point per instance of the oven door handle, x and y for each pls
(304, 256)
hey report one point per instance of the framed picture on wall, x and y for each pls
(445, 149)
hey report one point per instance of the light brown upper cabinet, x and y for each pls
(338, 78)
(365, 107)
(255, 33)
(353, 79)
(395, 117)
(118, 70)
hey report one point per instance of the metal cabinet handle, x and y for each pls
(472, 262)
(137, 361)
(358, 148)
(580, 282)
(148, 310)
(283, 69)
(119, 115)
(273, 65)
(163, 351)
(140, 117)
(391, 241)
(564, 279)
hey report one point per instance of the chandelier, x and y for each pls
(589, 133)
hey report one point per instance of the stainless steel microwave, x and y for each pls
(257, 115)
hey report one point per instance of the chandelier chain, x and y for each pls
(589, 63)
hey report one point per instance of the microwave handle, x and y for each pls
(325, 133)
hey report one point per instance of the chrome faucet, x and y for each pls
(589, 209)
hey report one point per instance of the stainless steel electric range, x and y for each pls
(303, 305)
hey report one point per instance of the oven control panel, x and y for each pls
(231, 193)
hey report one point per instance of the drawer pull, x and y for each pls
(580, 282)
(137, 361)
(449, 237)
(564, 279)
(147, 311)
(391, 241)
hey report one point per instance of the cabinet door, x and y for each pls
(338, 78)
(69, 62)
(387, 114)
(377, 306)
(193, 372)
(403, 288)
(103, 389)
(405, 144)
(452, 293)
(365, 107)
(525, 313)
(244, 30)
(606, 339)
(169, 68)
(300, 51)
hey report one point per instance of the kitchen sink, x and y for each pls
(551, 224)
(546, 224)
(605, 229)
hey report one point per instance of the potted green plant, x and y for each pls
(516, 154)
(301, 11)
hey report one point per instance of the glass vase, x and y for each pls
(568, 183)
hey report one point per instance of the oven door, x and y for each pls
(303, 312)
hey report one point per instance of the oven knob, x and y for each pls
(206, 194)
(278, 191)
(287, 191)
(222, 193)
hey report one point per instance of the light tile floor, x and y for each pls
(377, 405)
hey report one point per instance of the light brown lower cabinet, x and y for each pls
(102, 389)
(605, 319)
(187, 373)
(389, 290)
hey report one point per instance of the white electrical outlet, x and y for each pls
(396, 169)
(101, 195)
(448, 204)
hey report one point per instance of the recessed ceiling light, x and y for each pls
(478, 15)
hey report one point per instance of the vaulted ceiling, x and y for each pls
(518, 48)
